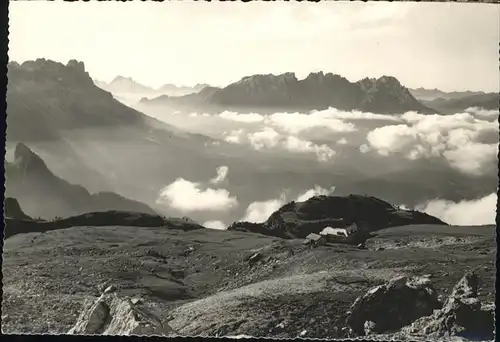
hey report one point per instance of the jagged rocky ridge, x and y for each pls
(316, 91)
(299, 219)
(45, 98)
(43, 194)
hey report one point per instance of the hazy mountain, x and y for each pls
(42, 194)
(453, 105)
(59, 110)
(316, 91)
(299, 219)
(121, 84)
(174, 90)
(433, 94)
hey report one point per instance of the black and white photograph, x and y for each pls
(289, 170)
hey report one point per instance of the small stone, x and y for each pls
(254, 258)
(303, 333)
(110, 288)
(136, 300)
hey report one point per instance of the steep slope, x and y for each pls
(316, 91)
(46, 97)
(44, 195)
(13, 210)
(453, 105)
(299, 219)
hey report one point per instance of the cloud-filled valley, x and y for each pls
(463, 144)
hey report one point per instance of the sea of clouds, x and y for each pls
(467, 142)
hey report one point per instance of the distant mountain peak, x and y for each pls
(119, 79)
(28, 160)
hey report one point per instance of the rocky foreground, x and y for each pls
(172, 281)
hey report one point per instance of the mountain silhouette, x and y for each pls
(45, 195)
(317, 91)
(299, 219)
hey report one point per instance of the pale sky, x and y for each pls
(451, 46)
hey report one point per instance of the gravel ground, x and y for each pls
(204, 282)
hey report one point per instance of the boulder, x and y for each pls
(112, 315)
(462, 315)
(391, 306)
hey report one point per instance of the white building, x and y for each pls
(340, 231)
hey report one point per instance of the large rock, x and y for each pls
(462, 315)
(391, 306)
(112, 315)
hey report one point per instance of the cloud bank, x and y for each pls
(269, 138)
(455, 138)
(187, 196)
(261, 210)
(475, 212)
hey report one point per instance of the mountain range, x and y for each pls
(488, 101)
(316, 91)
(42, 194)
(425, 94)
(121, 84)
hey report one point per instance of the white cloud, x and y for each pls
(222, 172)
(475, 212)
(246, 118)
(267, 137)
(260, 211)
(456, 138)
(234, 137)
(323, 152)
(342, 141)
(214, 225)
(295, 123)
(316, 191)
(483, 112)
(187, 196)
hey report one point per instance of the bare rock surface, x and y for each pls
(112, 315)
(202, 282)
(391, 306)
(462, 315)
